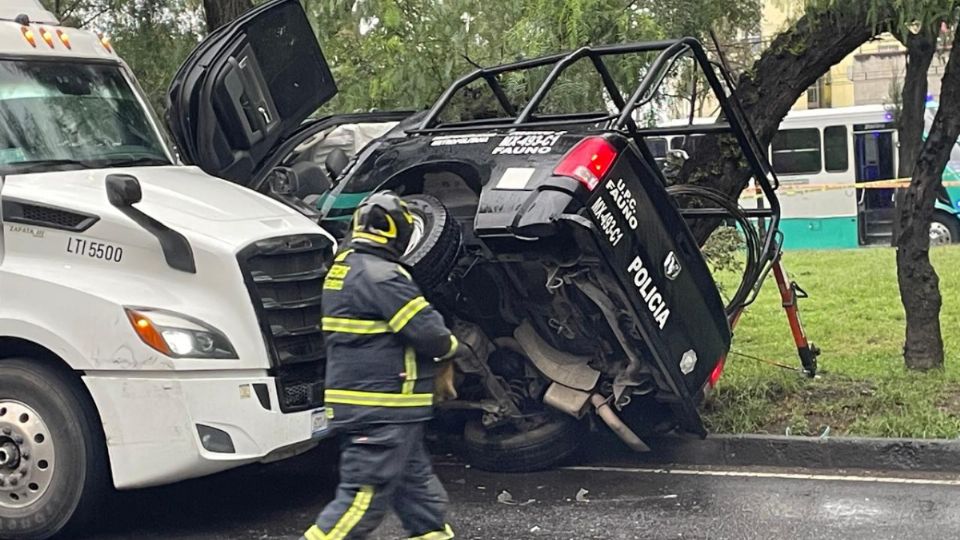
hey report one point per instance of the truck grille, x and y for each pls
(285, 278)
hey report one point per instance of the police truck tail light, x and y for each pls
(588, 161)
(46, 36)
(717, 371)
(179, 336)
(28, 35)
(64, 38)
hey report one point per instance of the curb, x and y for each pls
(931, 455)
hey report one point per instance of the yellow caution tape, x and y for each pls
(796, 189)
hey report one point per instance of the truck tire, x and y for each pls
(54, 471)
(944, 229)
(435, 244)
(512, 451)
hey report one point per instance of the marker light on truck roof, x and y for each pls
(28, 35)
(105, 41)
(47, 36)
(64, 38)
(588, 161)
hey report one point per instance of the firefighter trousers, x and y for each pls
(384, 467)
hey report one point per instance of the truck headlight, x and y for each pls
(179, 336)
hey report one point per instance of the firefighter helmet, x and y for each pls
(383, 220)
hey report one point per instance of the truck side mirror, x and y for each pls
(123, 190)
(336, 162)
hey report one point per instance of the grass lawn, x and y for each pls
(855, 316)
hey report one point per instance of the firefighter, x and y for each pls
(385, 344)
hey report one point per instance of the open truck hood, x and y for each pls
(246, 88)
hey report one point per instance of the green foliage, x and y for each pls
(723, 250)
(403, 53)
(152, 36)
(154, 49)
(896, 16)
(391, 54)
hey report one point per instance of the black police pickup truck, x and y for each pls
(550, 240)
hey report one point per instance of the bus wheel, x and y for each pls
(53, 468)
(944, 229)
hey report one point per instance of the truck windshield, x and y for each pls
(58, 116)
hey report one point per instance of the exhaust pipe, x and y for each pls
(607, 414)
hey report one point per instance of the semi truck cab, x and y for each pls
(147, 334)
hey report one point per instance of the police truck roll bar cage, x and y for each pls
(670, 53)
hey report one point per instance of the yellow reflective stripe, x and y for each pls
(349, 520)
(403, 316)
(338, 271)
(370, 237)
(454, 345)
(377, 399)
(445, 534)
(404, 272)
(333, 284)
(410, 367)
(342, 255)
(354, 326)
(314, 533)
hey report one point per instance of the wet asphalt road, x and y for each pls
(278, 501)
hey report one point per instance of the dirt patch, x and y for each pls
(949, 400)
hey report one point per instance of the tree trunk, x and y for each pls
(794, 61)
(920, 50)
(919, 284)
(913, 104)
(220, 12)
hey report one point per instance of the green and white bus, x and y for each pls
(826, 160)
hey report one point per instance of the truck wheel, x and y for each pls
(53, 469)
(507, 449)
(435, 243)
(944, 230)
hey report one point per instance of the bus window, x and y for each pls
(658, 147)
(796, 151)
(676, 143)
(835, 149)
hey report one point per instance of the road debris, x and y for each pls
(506, 498)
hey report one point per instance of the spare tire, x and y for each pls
(435, 243)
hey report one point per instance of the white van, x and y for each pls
(156, 323)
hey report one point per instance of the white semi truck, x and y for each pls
(156, 323)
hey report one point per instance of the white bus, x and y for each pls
(821, 156)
